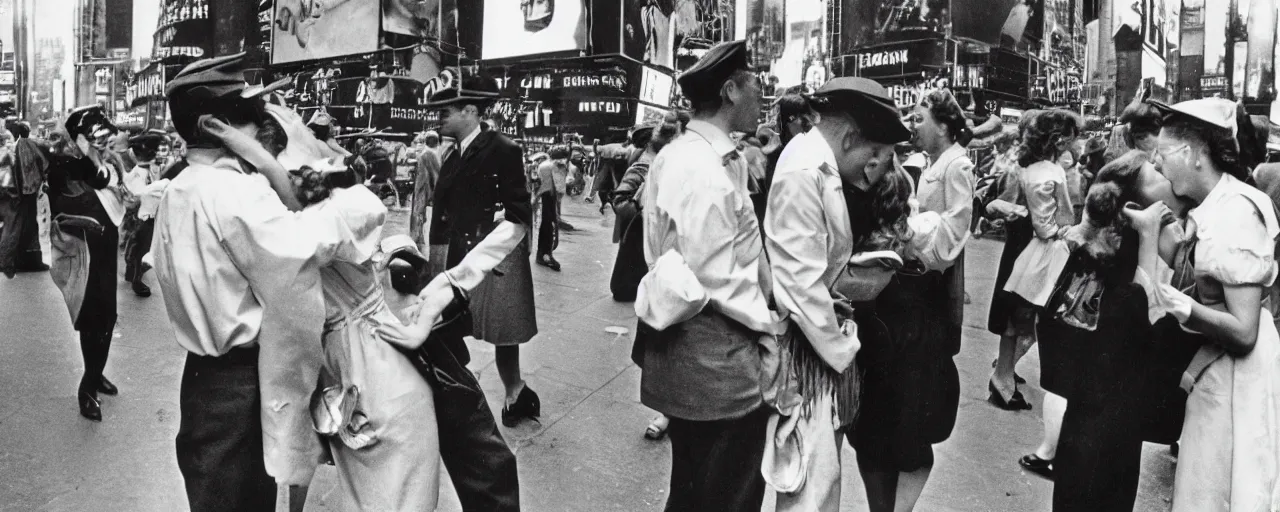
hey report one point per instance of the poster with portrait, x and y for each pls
(419, 18)
(647, 31)
(515, 28)
(306, 30)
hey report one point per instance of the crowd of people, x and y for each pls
(797, 286)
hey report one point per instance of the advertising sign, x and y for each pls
(699, 25)
(308, 30)
(184, 29)
(655, 86)
(6, 78)
(1215, 37)
(898, 59)
(412, 17)
(870, 22)
(646, 114)
(515, 28)
(648, 31)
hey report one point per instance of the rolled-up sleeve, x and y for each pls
(796, 237)
(941, 243)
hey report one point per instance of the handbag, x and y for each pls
(1078, 300)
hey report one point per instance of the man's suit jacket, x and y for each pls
(473, 186)
(487, 178)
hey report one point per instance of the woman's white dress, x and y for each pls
(1230, 456)
(398, 466)
(1036, 271)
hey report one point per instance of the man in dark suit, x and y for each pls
(481, 184)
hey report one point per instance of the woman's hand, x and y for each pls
(437, 295)
(1148, 221)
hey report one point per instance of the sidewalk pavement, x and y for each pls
(588, 452)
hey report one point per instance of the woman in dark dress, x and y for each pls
(82, 228)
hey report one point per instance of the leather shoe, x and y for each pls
(140, 289)
(107, 388)
(547, 261)
(1014, 403)
(1035, 464)
(527, 405)
(89, 406)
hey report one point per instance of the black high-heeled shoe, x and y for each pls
(89, 406)
(1014, 403)
(1035, 464)
(527, 405)
(107, 388)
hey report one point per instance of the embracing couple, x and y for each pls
(762, 349)
(307, 332)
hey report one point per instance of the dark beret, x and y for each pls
(704, 79)
(868, 103)
(218, 78)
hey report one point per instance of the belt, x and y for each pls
(244, 355)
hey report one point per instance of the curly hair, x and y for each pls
(1043, 131)
(559, 152)
(944, 108)
(881, 223)
(666, 132)
(1223, 148)
(311, 186)
(1143, 120)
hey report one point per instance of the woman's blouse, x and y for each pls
(945, 190)
(1044, 185)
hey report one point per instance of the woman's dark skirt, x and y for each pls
(1018, 235)
(911, 389)
(629, 267)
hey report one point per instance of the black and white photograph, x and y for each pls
(639, 256)
(515, 28)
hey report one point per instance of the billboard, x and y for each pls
(515, 28)
(412, 17)
(308, 30)
(648, 31)
(184, 29)
(699, 25)
(803, 59)
(871, 22)
(1215, 36)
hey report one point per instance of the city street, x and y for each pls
(587, 454)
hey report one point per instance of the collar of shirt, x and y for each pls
(809, 150)
(466, 141)
(947, 157)
(1220, 192)
(719, 140)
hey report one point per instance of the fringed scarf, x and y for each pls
(816, 378)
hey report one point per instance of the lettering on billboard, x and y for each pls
(887, 58)
(906, 95)
(606, 107)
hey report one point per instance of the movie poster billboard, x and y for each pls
(516, 28)
(647, 31)
(306, 30)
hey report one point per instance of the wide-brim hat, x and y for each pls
(151, 135)
(219, 78)
(868, 103)
(471, 89)
(703, 80)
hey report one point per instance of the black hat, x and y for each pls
(471, 89)
(217, 78)
(641, 134)
(152, 135)
(90, 121)
(704, 79)
(868, 103)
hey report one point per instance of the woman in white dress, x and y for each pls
(1230, 456)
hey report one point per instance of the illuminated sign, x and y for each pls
(655, 86)
(886, 58)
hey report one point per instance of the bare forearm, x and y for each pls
(1223, 328)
